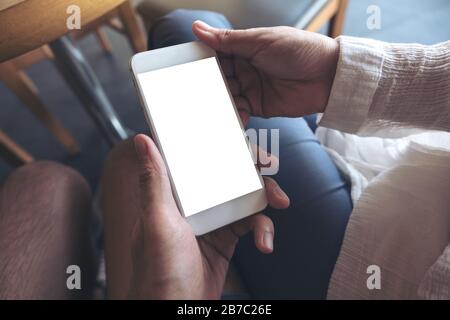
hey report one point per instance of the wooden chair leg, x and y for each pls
(103, 39)
(337, 21)
(11, 152)
(30, 58)
(325, 14)
(131, 25)
(22, 86)
(334, 13)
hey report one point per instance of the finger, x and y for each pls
(264, 159)
(242, 103)
(263, 230)
(245, 73)
(236, 42)
(276, 197)
(154, 185)
(234, 86)
(223, 55)
(243, 108)
(245, 116)
(227, 65)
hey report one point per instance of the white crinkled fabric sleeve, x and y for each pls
(389, 90)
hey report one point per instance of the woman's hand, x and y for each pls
(169, 261)
(278, 71)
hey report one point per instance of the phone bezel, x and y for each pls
(222, 214)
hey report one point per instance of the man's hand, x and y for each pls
(169, 261)
(278, 71)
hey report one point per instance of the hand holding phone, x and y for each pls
(275, 72)
(196, 177)
(169, 261)
(195, 124)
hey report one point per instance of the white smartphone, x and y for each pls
(196, 126)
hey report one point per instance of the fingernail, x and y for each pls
(141, 148)
(203, 26)
(268, 240)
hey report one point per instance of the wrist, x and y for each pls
(332, 62)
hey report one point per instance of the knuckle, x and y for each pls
(225, 36)
(267, 223)
(262, 222)
(227, 33)
(265, 219)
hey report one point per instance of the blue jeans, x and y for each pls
(309, 234)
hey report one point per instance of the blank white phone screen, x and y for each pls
(199, 133)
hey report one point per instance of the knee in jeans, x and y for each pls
(193, 14)
(179, 12)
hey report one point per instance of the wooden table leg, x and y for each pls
(22, 86)
(135, 34)
(11, 152)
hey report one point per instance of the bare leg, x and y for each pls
(44, 210)
(119, 205)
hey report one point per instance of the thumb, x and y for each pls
(154, 184)
(236, 42)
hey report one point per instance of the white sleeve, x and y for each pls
(381, 89)
(436, 283)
